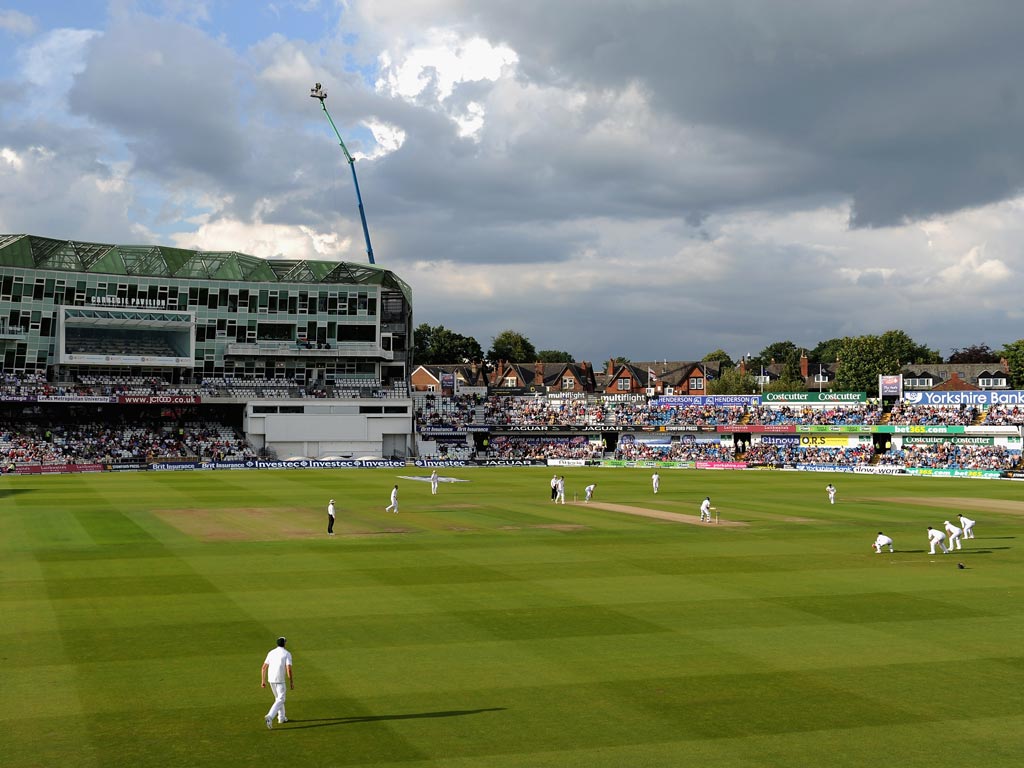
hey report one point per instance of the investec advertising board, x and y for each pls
(980, 397)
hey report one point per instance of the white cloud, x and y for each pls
(973, 268)
(56, 58)
(428, 70)
(11, 159)
(50, 65)
(17, 23)
(257, 238)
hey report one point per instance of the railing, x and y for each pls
(293, 349)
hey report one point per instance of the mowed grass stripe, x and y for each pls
(542, 635)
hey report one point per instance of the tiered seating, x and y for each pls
(907, 413)
(865, 414)
(952, 456)
(41, 441)
(1004, 415)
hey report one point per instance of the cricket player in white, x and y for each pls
(937, 538)
(589, 491)
(277, 668)
(955, 534)
(831, 489)
(968, 526)
(882, 541)
(393, 506)
(656, 481)
(560, 490)
(554, 488)
(705, 509)
(433, 482)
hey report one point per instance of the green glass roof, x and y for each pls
(32, 252)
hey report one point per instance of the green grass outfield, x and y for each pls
(487, 627)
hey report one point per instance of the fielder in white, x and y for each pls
(831, 490)
(656, 481)
(393, 506)
(881, 541)
(277, 668)
(955, 534)
(589, 490)
(560, 490)
(968, 525)
(705, 509)
(937, 538)
(433, 482)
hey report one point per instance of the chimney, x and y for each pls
(611, 366)
(538, 374)
(803, 364)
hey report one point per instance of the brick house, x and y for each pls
(955, 377)
(543, 377)
(427, 378)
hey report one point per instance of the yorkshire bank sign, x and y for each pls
(979, 397)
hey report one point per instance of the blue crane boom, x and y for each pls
(317, 92)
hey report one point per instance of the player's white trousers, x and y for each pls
(280, 691)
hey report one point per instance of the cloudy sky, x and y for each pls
(652, 179)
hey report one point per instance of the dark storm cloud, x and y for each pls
(912, 109)
(172, 93)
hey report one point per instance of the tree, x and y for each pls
(513, 347)
(1014, 354)
(436, 345)
(976, 353)
(826, 352)
(899, 345)
(421, 343)
(719, 356)
(861, 360)
(554, 356)
(450, 347)
(778, 352)
(732, 382)
(792, 377)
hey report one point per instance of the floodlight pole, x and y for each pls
(317, 92)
